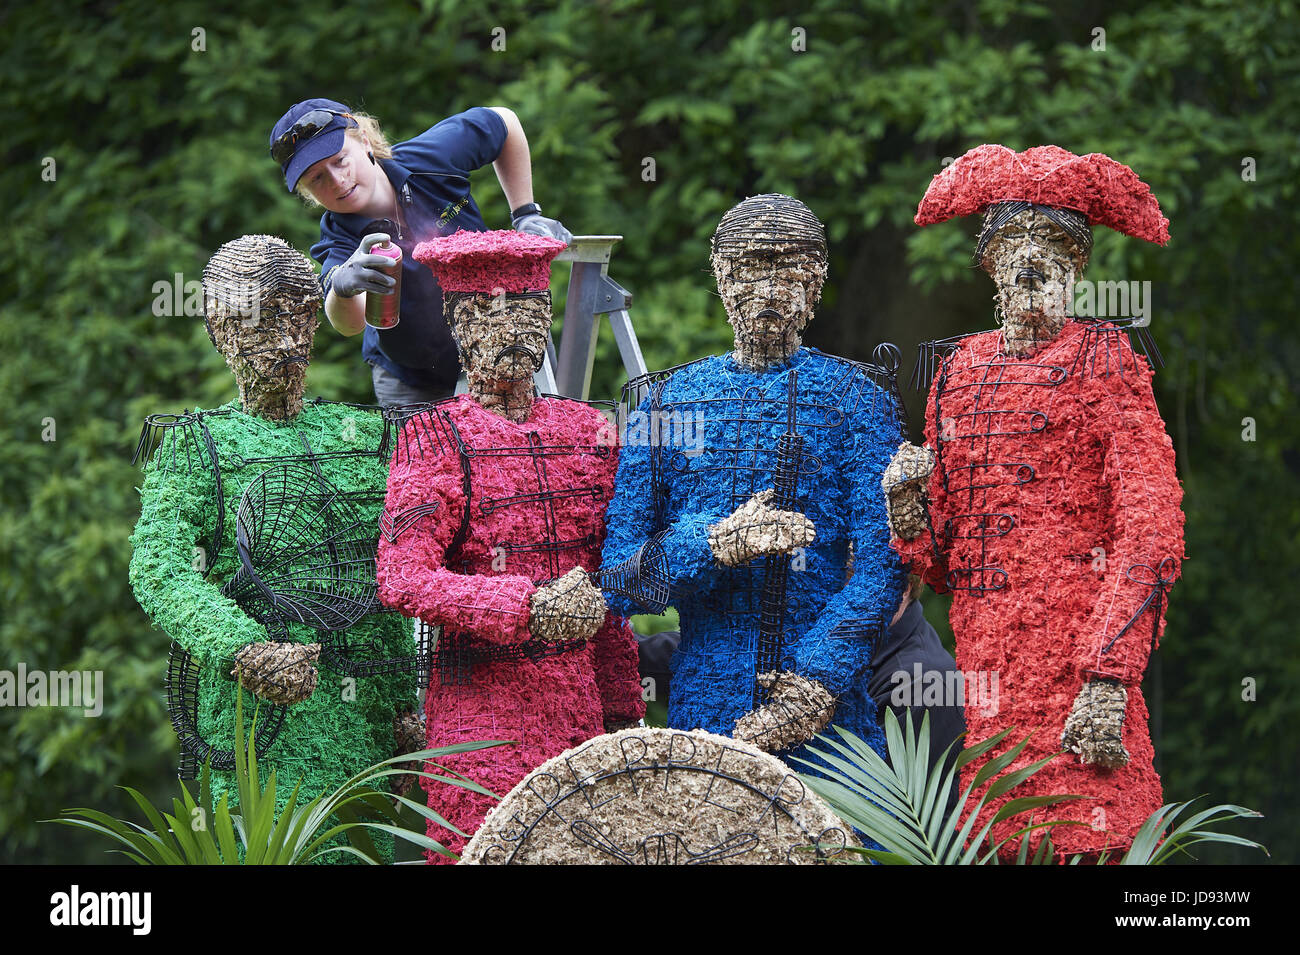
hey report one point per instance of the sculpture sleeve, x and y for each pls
(170, 552)
(617, 675)
(923, 555)
(631, 522)
(423, 512)
(1144, 553)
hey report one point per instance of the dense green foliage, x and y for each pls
(159, 152)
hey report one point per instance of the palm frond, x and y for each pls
(254, 833)
(902, 804)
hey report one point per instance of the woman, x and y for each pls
(416, 190)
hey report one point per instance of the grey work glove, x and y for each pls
(361, 272)
(537, 224)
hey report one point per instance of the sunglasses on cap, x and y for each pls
(309, 125)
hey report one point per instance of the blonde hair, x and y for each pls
(379, 145)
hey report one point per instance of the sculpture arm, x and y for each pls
(631, 523)
(1145, 551)
(178, 515)
(838, 647)
(617, 674)
(425, 506)
(923, 555)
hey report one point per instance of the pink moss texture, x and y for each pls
(490, 261)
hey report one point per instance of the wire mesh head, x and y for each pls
(304, 550)
(771, 222)
(769, 260)
(1034, 255)
(1074, 224)
(502, 341)
(261, 300)
(500, 336)
(247, 273)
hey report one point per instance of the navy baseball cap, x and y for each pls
(313, 142)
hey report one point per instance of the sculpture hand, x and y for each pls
(567, 608)
(797, 710)
(904, 483)
(279, 672)
(409, 737)
(1095, 727)
(756, 529)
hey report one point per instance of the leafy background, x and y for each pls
(160, 156)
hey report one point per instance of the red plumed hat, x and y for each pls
(1106, 192)
(490, 261)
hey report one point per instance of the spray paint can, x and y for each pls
(384, 311)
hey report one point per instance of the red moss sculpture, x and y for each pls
(1053, 509)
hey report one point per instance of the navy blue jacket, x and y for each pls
(430, 175)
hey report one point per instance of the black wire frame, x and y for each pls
(181, 685)
(182, 443)
(303, 550)
(345, 654)
(1101, 339)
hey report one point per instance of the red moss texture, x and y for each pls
(1046, 465)
(490, 261)
(1107, 192)
(535, 509)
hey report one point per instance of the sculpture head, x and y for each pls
(261, 302)
(1038, 205)
(1034, 254)
(502, 337)
(496, 298)
(769, 260)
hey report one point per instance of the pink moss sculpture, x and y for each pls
(488, 536)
